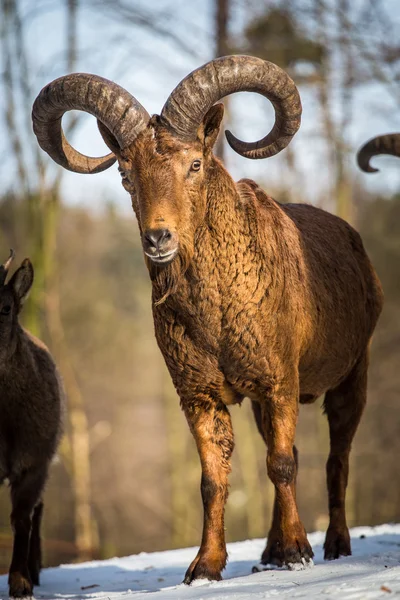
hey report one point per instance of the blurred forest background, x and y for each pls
(127, 478)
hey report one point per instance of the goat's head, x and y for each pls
(12, 296)
(382, 144)
(166, 177)
(165, 160)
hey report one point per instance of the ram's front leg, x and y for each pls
(211, 426)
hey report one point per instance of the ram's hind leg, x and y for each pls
(344, 407)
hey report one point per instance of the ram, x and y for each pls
(382, 144)
(251, 298)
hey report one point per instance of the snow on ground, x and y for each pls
(372, 572)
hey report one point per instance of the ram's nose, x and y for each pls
(160, 245)
(157, 238)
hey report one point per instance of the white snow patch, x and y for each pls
(372, 572)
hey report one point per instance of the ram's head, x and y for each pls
(166, 161)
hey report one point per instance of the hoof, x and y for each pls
(20, 586)
(337, 544)
(296, 555)
(299, 555)
(203, 569)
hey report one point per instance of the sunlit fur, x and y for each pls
(274, 302)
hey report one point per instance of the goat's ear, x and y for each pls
(21, 281)
(209, 129)
(108, 138)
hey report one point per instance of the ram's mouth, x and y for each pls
(162, 259)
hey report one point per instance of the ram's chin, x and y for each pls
(166, 276)
(161, 261)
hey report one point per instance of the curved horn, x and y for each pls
(4, 268)
(120, 112)
(382, 144)
(194, 96)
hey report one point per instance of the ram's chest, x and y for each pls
(213, 328)
(237, 284)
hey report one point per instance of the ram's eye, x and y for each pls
(196, 165)
(122, 173)
(5, 310)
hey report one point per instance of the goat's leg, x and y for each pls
(287, 540)
(211, 427)
(35, 546)
(25, 493)
(273, 553)
(344, 407)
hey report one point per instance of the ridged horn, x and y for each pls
(4, 267)
(195, 95)
(110, 103)
(382, 144)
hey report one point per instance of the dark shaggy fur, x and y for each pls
(274, 302)
(30, 427)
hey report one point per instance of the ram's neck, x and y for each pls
(244, 242)
(241, 221)
(222, 214)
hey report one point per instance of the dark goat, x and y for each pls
(250, 297)
(30, 426)
(382, 144)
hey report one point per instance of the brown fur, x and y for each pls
(276, 303)
(30, 428)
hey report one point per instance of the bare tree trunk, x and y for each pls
(343, 182)
(336, 135)
(78, 430)
(323, 91)
(78, 446)
(8, 10)
(16, 84)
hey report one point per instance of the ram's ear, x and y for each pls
(108, 138)
(22, 280)
(209, 128)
